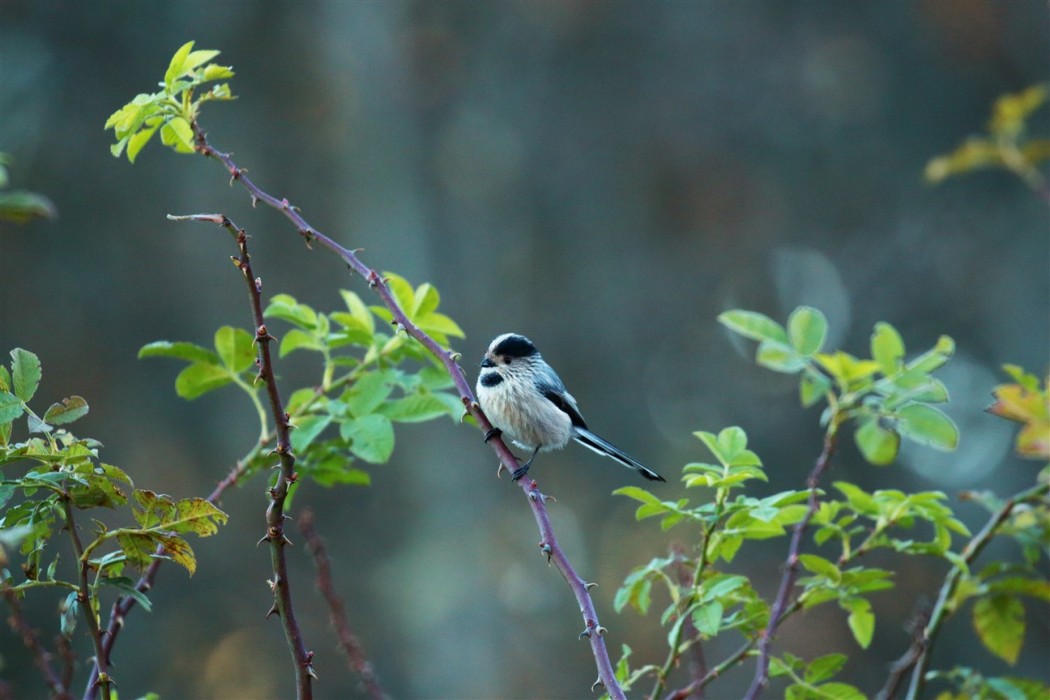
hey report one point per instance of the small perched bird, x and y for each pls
(525, 399)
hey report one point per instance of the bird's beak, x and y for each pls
(487, 363)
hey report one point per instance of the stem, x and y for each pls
(787, 581)
(41, 657)
(459, 379)
(123, 605)
(281, 583)
(940, 611)
(355, 654)
(85, 601)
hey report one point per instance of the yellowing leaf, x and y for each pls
(1030, 408)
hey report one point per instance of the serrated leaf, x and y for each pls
(754, 325)
(807, 329)
(927, 426)
(372, 437)
(177, 65)
(296, 339)
(415, 408)
(25, 373)
(67, 411)
(1000, 625)
(887, 348)
(708, 619)
(11, 407)
(136, 142)
(825, 667)
(179, 350)
(285, 307)
(368, 392)
(861, 620)
(878, 445)
(200, 378)
(70, 611)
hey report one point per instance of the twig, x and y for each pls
(123, 605)
(355, 655)
(899, 668)
(41, 657)
(787, 581)
(972, 550)
(449, 360)
(103, 680)
(275, 517)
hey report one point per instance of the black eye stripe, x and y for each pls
(491, 379)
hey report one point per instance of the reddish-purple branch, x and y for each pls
(41, 657)
(355, 655)
(459, 379)
(275, 517)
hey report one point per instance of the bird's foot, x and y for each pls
(520, 471)
(493, 433)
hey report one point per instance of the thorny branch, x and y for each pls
(41, 657)
(355, 655)
(548, 543)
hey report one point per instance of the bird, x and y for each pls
(525, 399)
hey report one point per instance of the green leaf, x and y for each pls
(296, 339)
(10, 407)
(754, 325)
(25, 373)
(636, 593)
(285, 307)
(936, 357)
(927, 426)
(200, 378)
(127, 587)
(708, 619)
(415, 408)
(359, 310)
(887, 348)
(877, 444)
(861, 620)
(402, 290)
(67, 411)
(821, 567)
(779, 357)
(137, 141)
(179, 350)
(812, 388)
(178, 62)
(372, 436)
(807, 329)
(825, 667)
(21, 206)
(70, 611)
(236, 348)
(368, 392)
(175, 132)
(425, 300)
(307, 430)
(1000, 625)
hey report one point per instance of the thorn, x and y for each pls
(585, 633)
(286, 541)
(310, 672)
(601, 631)
(255, 200)
(546, 549)
(264, 538)
(454, 356)
(285, 204)
(492, 433)
(272, 583)
(598, 683)
(273, 611)
(258, 284)
(500, 470)
(588, 585)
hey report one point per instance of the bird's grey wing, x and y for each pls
(557, 395)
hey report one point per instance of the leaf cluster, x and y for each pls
(173, 109)
(887, 396)
(370, 378)
(58, 474)
(1006, 144)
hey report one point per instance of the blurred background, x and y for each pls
(605, 177)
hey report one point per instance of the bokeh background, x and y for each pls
(605, 177)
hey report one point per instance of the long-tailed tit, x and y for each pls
(525, 399)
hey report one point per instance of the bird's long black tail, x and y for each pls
(604, 447)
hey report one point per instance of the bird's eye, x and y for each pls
(506, 360)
